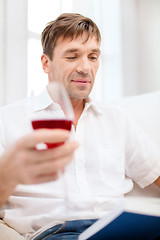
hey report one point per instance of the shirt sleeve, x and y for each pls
(142, 155)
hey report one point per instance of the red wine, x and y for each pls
(51, 124)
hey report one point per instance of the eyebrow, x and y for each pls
(73, 50)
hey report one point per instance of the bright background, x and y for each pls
(130, 60)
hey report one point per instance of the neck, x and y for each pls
(78, 106)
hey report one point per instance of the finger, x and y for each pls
(62, 151)
(52, 167)
(45, 178)
(39, 178)
(46, 170)
(43, 169)
(43, 135)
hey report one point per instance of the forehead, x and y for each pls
(78, 42)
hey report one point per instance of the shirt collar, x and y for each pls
(43, 101)
(93, 105)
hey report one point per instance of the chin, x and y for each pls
(79, 96)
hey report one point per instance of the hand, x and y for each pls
(26, 165)
(157, 182)
(23, 164)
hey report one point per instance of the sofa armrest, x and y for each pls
(7, 233)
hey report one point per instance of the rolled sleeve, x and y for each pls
(143, 156)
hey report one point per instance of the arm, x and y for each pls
(157, 182)
(23, 164)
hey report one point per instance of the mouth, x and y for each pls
(81, 81)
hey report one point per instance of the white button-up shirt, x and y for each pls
(112, 152)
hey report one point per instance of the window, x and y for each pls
(40, 12)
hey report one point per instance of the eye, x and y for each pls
(93, 57)
(71, 57)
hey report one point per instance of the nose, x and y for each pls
(83, 65)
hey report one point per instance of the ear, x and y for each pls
(45, 63)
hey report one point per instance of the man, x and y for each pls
(112, 151)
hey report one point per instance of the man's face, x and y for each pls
(75, 63)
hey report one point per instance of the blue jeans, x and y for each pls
(68, 231)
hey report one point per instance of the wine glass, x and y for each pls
(59, 115)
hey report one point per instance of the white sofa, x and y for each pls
(145, 109)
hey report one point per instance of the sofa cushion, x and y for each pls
(145, 109)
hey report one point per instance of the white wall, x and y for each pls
(149, 45)
(141, 51)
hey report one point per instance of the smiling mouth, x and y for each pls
(81, 81)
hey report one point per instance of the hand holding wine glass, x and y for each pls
(59, 115)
